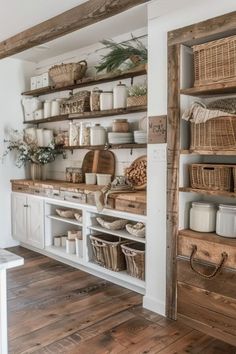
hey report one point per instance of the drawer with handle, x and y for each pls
(75, 197)
(21, 188)
(209, 248)
(130, 206)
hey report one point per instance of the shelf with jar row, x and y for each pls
(89, 81)
(89, 115)
(105, 147)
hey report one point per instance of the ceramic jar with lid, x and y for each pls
(120, 126)
(226, 221)
(203, 217)
(95, 99)
(55, 107)
(97, 135)
(120, 94)
(106, 100)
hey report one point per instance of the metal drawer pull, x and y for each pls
(224, 257)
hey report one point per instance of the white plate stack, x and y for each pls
(121, 138)
(140, 137)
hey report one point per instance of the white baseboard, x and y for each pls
(154, 305)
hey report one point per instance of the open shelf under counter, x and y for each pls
(218, 88)
(208, 192)
(61, 252)
(209, 152)
(66, 220)
(89, 81)
(122, 275)
(119, 233)
(89, 115)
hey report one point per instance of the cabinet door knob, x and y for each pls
(25, 206)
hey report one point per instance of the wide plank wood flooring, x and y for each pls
(54, 308)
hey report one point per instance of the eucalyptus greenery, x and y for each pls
(133, 50)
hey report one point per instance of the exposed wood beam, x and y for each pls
(206, 30)
(79, 17)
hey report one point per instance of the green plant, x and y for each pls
(133, 50)
(137, 90)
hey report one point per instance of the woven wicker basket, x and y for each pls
(134, 101)
(215, 61)
(107, 251)
(67, 74)
(135, 259)
(215, 134)
(211, 177)
(78, 103)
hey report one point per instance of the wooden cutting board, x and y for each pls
(99, 161)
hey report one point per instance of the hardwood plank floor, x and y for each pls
(54, 308)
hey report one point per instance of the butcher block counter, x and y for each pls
(134, 202)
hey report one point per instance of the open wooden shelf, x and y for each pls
(208, 192)
(90, 115)
(106, 147)
(120, 233)
(88, 81)
(212, 89)
(209, 152)
(208, 236)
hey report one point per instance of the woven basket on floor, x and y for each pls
(135, 259)
(211, 177)
(215, 61)
(134, 101)
(107, 251)
(67, 74)
(215, 134)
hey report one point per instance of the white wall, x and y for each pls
(165, 15)
(13, 74)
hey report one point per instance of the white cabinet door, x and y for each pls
(35, 222)
(19, 217)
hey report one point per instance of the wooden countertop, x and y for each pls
(138, 196)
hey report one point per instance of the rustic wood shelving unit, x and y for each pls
(139, 71)
(89, 115)
(209, 152)
(208, 192)
(213, 89)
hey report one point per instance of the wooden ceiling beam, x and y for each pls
(72, 20)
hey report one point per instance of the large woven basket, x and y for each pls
(134, 101)
(215, 61)
(67, 74)
(135, 259)
(215, 134)
(107, 252)
(211, 177)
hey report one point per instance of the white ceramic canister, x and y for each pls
(90, 178)
(55, 107)
(203, 217)
(73, 134)
(63, 241)
(70, 246)
(39, 133)
(103, 179)
(97, 135)
(57, 241)
(47, 137)
(226, 221)
(47, 109)
(120, 95)
(79, 246)
(106, 100)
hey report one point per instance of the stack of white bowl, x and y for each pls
(120, 138)
(140, 137)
